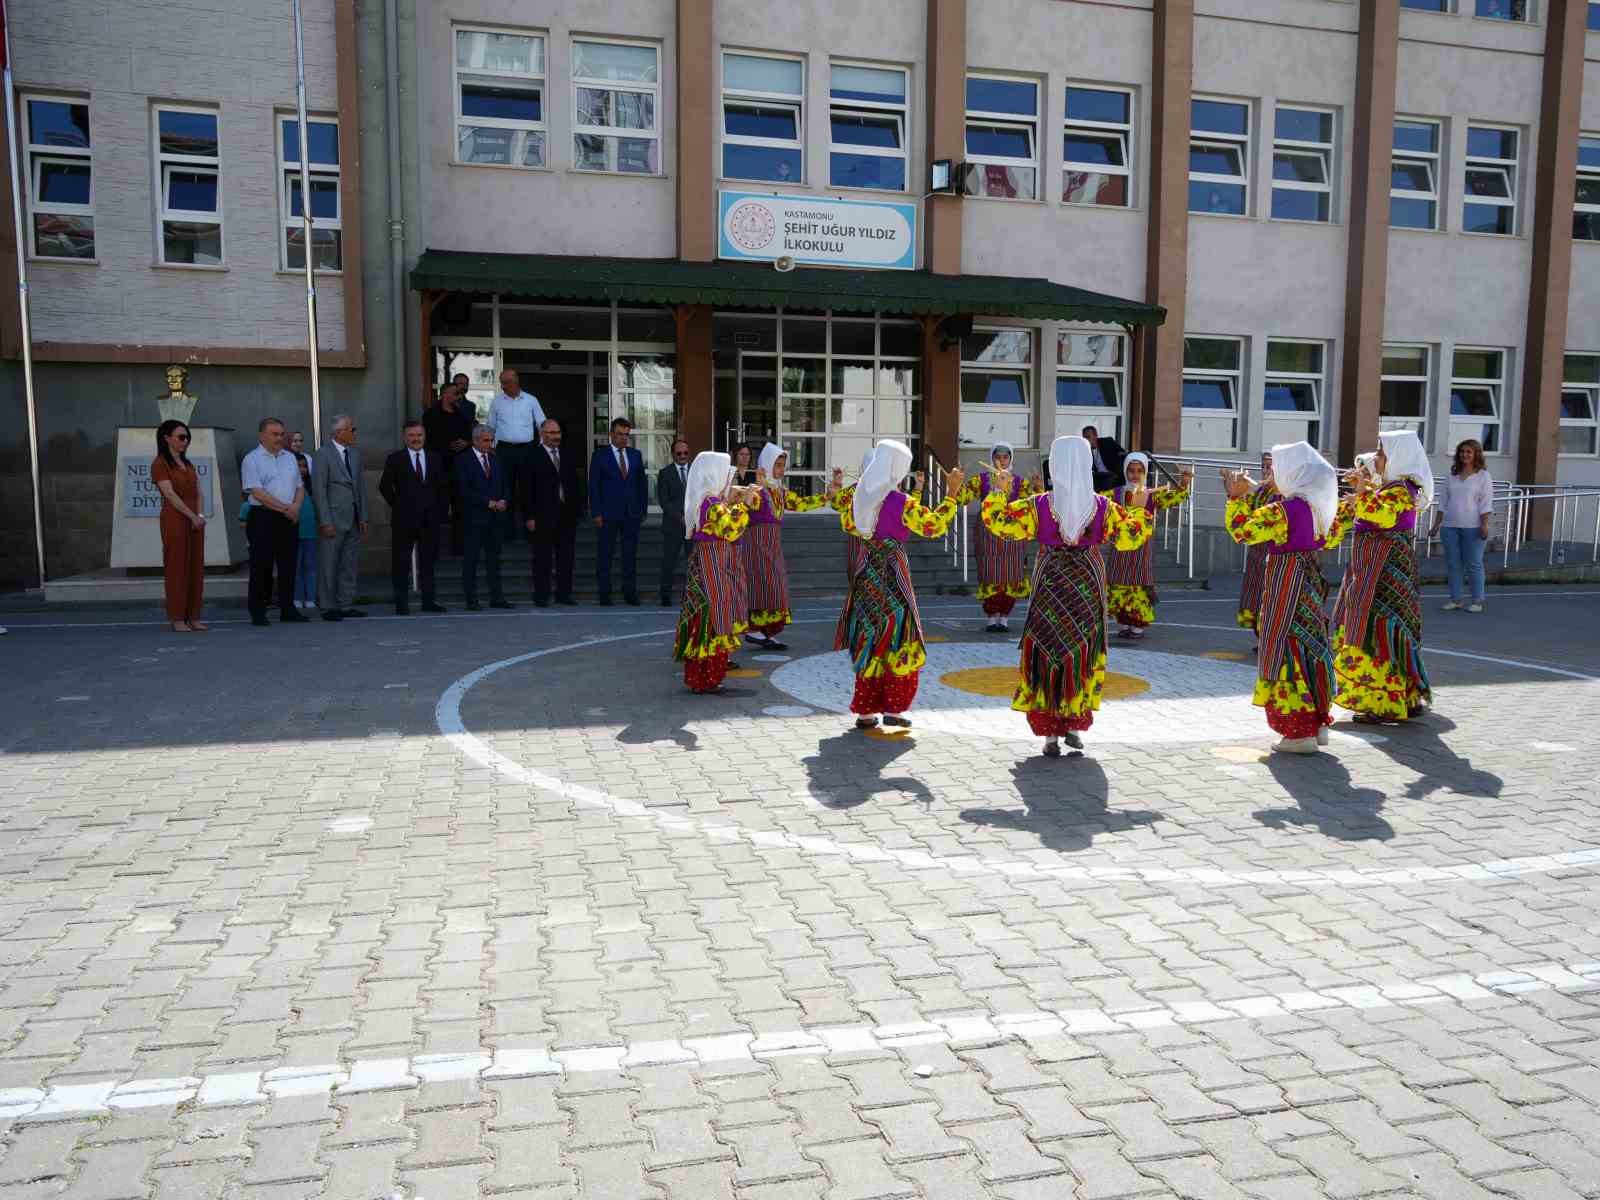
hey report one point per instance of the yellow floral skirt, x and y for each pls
(1129, 604)
(1375, 689)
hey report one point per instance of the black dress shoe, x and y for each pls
(351, 612)
(633, 600)
(604, 602)
(434, 608)
(333, 614)
(259, 621)
(501, 604)
(288, 617)
(400, 610)
(567, 600)
(474, 606)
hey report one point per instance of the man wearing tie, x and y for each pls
(671, 484)
(515, 416)
(485, 492)
(617, 499)
(339, 491)
(414, 485)
(552, 502)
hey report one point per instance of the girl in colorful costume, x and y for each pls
(1294, 673)
(879, 626)
(1132, 573)
(1002, 566)
(715, 598)
(1377, 620)
(763, 548)
(1063, 661)
(1255, 555)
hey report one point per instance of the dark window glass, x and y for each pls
(191, 191)
(57, 123)
(1298, 125)
(867, 171)
(997, 141)
(977, 388)
(1094, 104)
(1216, 198)
(1213, 394)
(487, 100)
(1002, 95)
(1296, 205)
(1411, 214)
(1289, 397)
(1086, 391)
(1415, 135)
(63, 183)
(188, 133)
(860, 129)
(1491, 143)
(1486, 218)
(760, 162)
(322, 141)
(1089, 148)
(752, 120)
(1217, 116)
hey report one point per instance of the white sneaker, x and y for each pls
(1474, 608)
(1305, 745)
(1322, 735)
(1452, 605)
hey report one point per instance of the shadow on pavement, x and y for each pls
(1327, 799)
(1417, 745)
(847, 770)
(1066, 801)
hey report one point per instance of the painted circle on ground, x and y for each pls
(1002, 682)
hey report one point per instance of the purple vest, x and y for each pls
(1302, 529)
(891, 517)
(1050, 531)
(1406, 522)
(768, 513)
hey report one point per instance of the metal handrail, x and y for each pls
(957, 538)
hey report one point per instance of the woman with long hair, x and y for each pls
(768, 573)
(1464, 510)
(879, 627)
(715, 599)
(1294, 668)
(1063, 662)
(744, 474)
(1131, 574)
(183, 527)
(1255, 555)
(1377, 620)
(1002, 563)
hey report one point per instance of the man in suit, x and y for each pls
(339, 490)
(618, 497)
(1106, 458)
(484, 489)
(671, 483)
(415, 485)
(448, 426)
(552, 501)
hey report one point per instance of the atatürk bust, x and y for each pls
(177, 404)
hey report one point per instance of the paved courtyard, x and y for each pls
(471, 906)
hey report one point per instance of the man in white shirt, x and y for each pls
(270, 477)
(515, 416)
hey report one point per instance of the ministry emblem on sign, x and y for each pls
(751, 226)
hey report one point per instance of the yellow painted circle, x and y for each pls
(890, 735)
(1002, 682)
(1240, 754)
(935, 637)
(1225, 655)
(744, 673)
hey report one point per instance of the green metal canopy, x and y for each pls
(754, 285)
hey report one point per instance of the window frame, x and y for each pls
(875, 109)
(1234, 376)
(37, 155)
(1418, 423)
(1326, 152)
(1318, 417)
(1003, 120)
(289, 176)
(1495, 386)
(1126, 131)
(1591, 389)
(520, 82)
(165, 163)
(1240, 143)
(1023, 372)
(1509, 167)
(1590, 172)
(1118, 374)
(615, 133)
(749, 97)
(1528, 17)
(1431, 161)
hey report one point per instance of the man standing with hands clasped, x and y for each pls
(618, 498)
(340, 492)
(485, 493)
(672, 482)
(270, 476)
(552, 502)
(415, 486)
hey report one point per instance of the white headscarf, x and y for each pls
(1137, 456)
(1298, 471)
(997, 448)
(770, 454)
(708, 476)
(1408, 460)
(888, 466)
(1072, 497)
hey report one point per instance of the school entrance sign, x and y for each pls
(817, 231)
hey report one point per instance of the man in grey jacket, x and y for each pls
(339, 490)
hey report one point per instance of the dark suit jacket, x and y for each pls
(549, 502)
(476, 489)
(670, 494)
(1112, 454)
(414, 501)
(609, 495)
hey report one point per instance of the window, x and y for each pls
(1302, 165)
(1414, 174)
(1291, 406)
(614, 105)
(1440, 6)
(763, 131)
(1002, 137)
(1091, 379)
(1586, 210)
(1219, 156)
(1490, 203)
(499, 98)
(322, 154)
(1580, 397)
(1594, 16)
(1504, 10)
(1212, 370)
(1477, 380)
(867, 127)
(1403, 389)
(1097, 147)
(60, 177)
(997, 387)
(189, 186)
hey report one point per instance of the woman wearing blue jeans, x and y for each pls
(1465, 503)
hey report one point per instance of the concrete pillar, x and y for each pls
(941, 394)
(697, 404)
(697, 111)
(1367, 263)
(947, 132)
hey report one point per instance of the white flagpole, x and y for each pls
(305, 217)
(23, 235)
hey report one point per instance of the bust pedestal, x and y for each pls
(136, 507)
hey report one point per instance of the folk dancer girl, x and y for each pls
(1255, 555)
(1377, 620)
(1063, 662)
(1132, 573)
(1294, 671)
(1002, 566)
(715, 595)
(763, 549)
(879, 626)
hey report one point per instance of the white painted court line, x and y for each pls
(386, 1074)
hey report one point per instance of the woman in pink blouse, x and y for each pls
(1464, 508)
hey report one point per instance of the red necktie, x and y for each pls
(416, 465)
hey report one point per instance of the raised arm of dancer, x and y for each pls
(1128, 528)
(1011, 520)
(929, 522)
(1384, 506)
(726, 520)
(793, 503)
(1253, 524)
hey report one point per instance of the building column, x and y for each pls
(1367, 257)
(427, 302)
(697, 377)
(1555, 185)
(697, 224)
(947, 131)
(1156, 417)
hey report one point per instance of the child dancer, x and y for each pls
(715, 602)
(1132, 573)
(1002, 565)
(763, 552)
